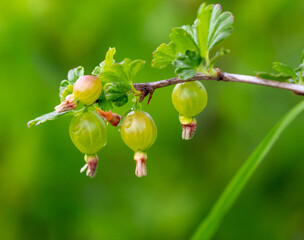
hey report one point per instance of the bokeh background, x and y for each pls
(43, 195)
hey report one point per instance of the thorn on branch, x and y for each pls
(147, 90)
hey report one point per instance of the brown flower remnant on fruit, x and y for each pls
(188, 130)
(140, 159)
(91, 165)
(70, 103)
(112, 118)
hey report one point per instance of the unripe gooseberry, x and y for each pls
(189, 99)
(87, 89)
(88, 132)
(139, 132)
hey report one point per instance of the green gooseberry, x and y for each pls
(88, 132)
(189, 98)
(138, 131)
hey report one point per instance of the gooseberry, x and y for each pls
(86, 90)
(189, 99)
(88, 132)
(138, 131)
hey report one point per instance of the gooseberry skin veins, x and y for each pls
(88, 132)
(138, 131)
(189, 98)
(87, 89)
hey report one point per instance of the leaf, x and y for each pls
(217, 55)
(97, 71)
(211, 223)
(106, 64)
(213, 27)
(273, 76)
(74, 74)
(134, 67)
(63, 86)
(285, 70)
(220, 26)
(116, 75)
(66, 86)
(163, 55)
(186, 64)
(191, 30)
(182, 40)
(119, 102)
(116, 90)
(122, 72)
(109, 59)
(103, 103)
(203, 22)
(47, 117)
(67, 91)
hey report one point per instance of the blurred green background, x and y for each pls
(43, 195)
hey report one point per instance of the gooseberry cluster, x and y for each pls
(88, 129)
(90, 98)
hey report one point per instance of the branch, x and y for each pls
(148, 88)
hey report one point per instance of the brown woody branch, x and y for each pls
(149, 88)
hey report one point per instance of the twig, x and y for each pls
(149, 88)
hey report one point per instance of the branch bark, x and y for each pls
(150, 87)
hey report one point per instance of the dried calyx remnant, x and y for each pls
(92, 98)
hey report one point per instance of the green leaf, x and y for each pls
(66, 86)
(187, 64)
(48, 117)
(122, 72)
(133, 67)
(117, 75)
(217, 56)
(211, 223)
(74, 74)
(109, 60)
(163, 55)
(182, 40)
(273, 76)
(203, 23)
(103, 103)
(106, 64)
(63, 86)
(97, 71)
(220, 26)
(285, 70)
(119, 102)
(191, 30)
(116, 90)
(213, 27)
(67, 91)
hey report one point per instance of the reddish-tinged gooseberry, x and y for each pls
(86, 90)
